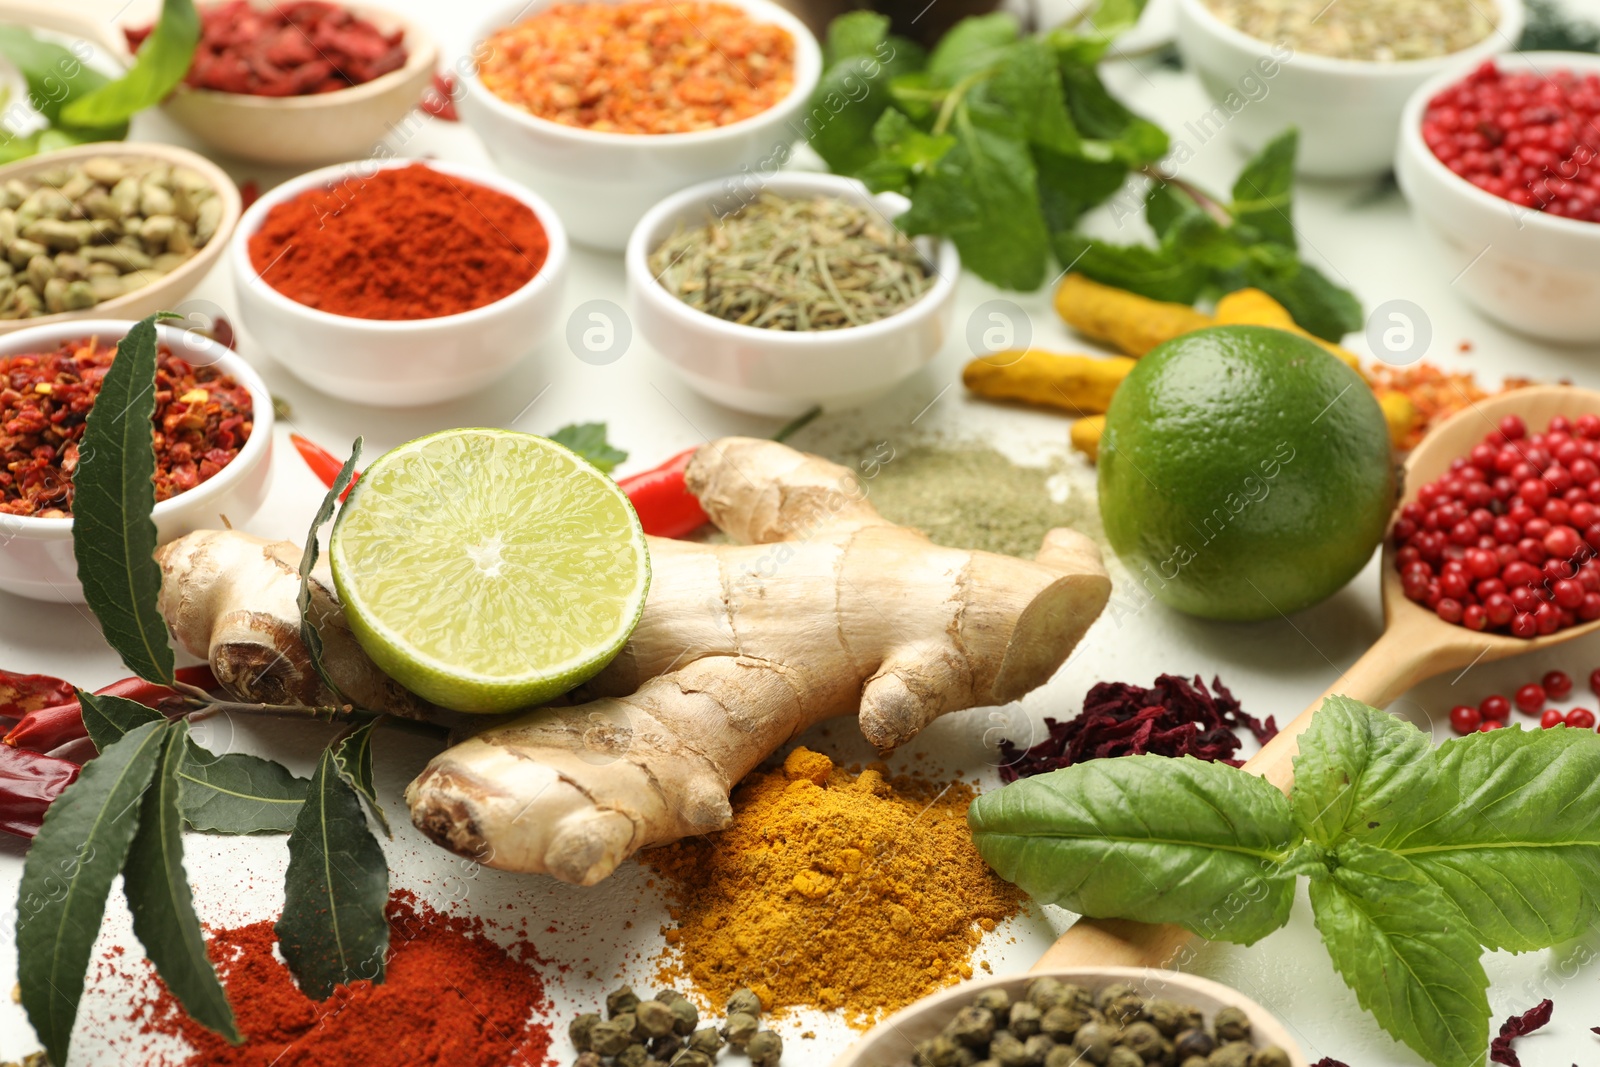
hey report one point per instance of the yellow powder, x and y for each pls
(855, 894)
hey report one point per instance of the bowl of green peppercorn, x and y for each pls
(1104, 1016)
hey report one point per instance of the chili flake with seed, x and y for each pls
(203, 418)
(644, 67)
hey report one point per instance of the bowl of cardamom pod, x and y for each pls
(1102, 1016)
(110, 230)
(778, 294)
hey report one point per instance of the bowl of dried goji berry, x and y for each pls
(213, 435)
(302, 82)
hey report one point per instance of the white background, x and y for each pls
(611, 932)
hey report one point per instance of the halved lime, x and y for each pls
(487, 570)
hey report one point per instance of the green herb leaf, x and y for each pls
(1027, 84)
(67, 877)
(1165, 208)
(1198, 238)
(158, 893)
(1317, 304)
(1408, 953)
(108, 719)
(237, 793)
(1151, 272)
(971, 47)
(1117, 132)
(353, 756)
(983, 195)
(113, 538)
(1070, 184)
(855, 33)
(308, 561)
(333, 929)
(1263, 195)
(1510, 831)
(162, 62)
(55, 75)
(1145, 837)
(1359, 775)
(588, 439)
(862, 62)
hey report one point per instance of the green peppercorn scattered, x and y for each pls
(1123, 1056)
(996, 1002)
(739, 1029)
(655, 1018)
(744, 1002)
(587, 1059)
(707, 1041)
(1233, 1054)
(973, 1026)
(1271, 1056)
(610, 1037)
(765, 1049)
(1232, 1025)
(633, 1056)
(580, 1029)
(1025, 1018)
(619, 1001)
(685, 1016)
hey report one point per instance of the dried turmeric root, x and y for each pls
(1131, 323)
(1085, 435)
(820, 608)
(1252, 307)
(1082, 384)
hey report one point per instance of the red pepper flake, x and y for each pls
(286, 49)
(1174, 717)
(249, 193)
(1464, 346)
(451, 996)
(1500, 1050)
(202, 419)
(440, 100)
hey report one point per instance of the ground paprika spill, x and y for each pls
(402, 243)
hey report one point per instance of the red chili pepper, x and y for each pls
(666, 507)
(324, 464)
(22, 693)
(440, 101)
(199, 676)
(50, 728)
(249, 193)
(29, 781)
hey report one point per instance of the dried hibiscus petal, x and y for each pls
(1500, 1050)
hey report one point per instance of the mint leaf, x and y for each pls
(1069, 185)
(1027, 84)
(333, 929)
(906, 152)
(1511, 833)
(309, 636)
(159, 66)
(1408, 953)
(237, 793)
(1360, 774)
(1263, 195)
(353, 756)
(982, 194)
(1317, 304)
(971, 47)
(588, 439)
(158, 894)
(67, 877)
(1197, 238)
(1152, 272)
(1165, 208)
(1184, 841)
(855, 33)
(1119, 133)
(855, 88)
(113, 538)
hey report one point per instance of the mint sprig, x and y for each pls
(1419, 858)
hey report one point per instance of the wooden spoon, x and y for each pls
(1416, 644)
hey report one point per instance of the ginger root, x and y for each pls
(1131, 323)
(1080, 384)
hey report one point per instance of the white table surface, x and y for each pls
(609, 933)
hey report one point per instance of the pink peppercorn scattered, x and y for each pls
(1530, 138)
(1581, 719)
(1551, 718)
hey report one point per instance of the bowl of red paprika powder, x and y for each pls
(213, 420)
(398, 283)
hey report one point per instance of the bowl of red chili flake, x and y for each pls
(212, 430)
(1501, 163)
(300, 82)
(608, 106)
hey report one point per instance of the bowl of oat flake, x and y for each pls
(1341, 72)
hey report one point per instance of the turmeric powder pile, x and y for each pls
(859, 894)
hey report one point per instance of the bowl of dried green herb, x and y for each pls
(800, 290)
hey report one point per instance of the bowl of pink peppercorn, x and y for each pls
(1501, 164)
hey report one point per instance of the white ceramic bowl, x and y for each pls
(1531, 271)
(1348, 111)
(388, 362)
(36, 557)
(891, 1041)
(603, 183)
(781, 372)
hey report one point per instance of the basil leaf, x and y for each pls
(1027, 84)
(67, 877)
(54, 74)
(113, 538)
(1360, 774)
(1152, 272)
(1263, 195)
(308, 560)
(588, 439)
(983, 195)
(1317, 304)
(353, 756)
(238, 793)
(1180, 841)
(160, 65)
(1511, 833)
(1408, 953)
(108, 719)
(158, 895)
(333, 929)
(971, 47)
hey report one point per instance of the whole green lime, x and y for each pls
(1244, 473)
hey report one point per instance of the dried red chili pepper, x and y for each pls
(47, 729)
(22, 693)
(324, 464)
(440, 101)
(29, 781)
(661, 497)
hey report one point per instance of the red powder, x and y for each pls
(403, 243)
(451, 997)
